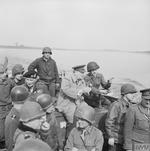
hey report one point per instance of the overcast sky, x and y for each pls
(85, 24)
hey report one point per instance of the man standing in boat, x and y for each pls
(47, 70)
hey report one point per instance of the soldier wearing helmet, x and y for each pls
(55, 136)
(95, 79)
(18, 96)
(137, 123)
(32, 145)
(116, 117)
(84, 136)
(6, 84)
(32, 121)
(17, 74)
(47, 70)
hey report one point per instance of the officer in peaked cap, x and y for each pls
(138, 122)
(30, 74)
(146, 93)
(79, 68)
(72, 84)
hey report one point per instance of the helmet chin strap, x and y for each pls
(126, 98)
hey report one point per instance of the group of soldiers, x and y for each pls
(41, 111)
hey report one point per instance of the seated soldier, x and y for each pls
(84, 137)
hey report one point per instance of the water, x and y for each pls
(134, 66)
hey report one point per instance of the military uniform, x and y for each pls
(47, 72)
(11, 124)
(71, 84)
(23, 133)
(56, 135)
(137, 124)
(97, 81)
(137, 127)
(85, 137)
(32, 144)
(5, 103)
(115, 121)
(91, 140)
(32, 118)
(18, 95)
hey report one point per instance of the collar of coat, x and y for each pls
(46, 60)
(125, 103)
(24, 128)
(144, 111)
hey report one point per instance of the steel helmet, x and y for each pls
(30, 111)
(31, 144)
(91, 66)
(46, 50)
(127, 88)
(19, 94)
(18, 68)
(86, 112)
(45, 100)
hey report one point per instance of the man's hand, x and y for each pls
(111, 141)
(84, 90)
(57, 85)
(110, 80)
(74, 149)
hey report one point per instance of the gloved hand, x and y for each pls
(111, 141)
(110, 80)
(84, 90)
(57, 85)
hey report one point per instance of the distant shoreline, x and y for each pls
(66, 49)
(18, 47)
